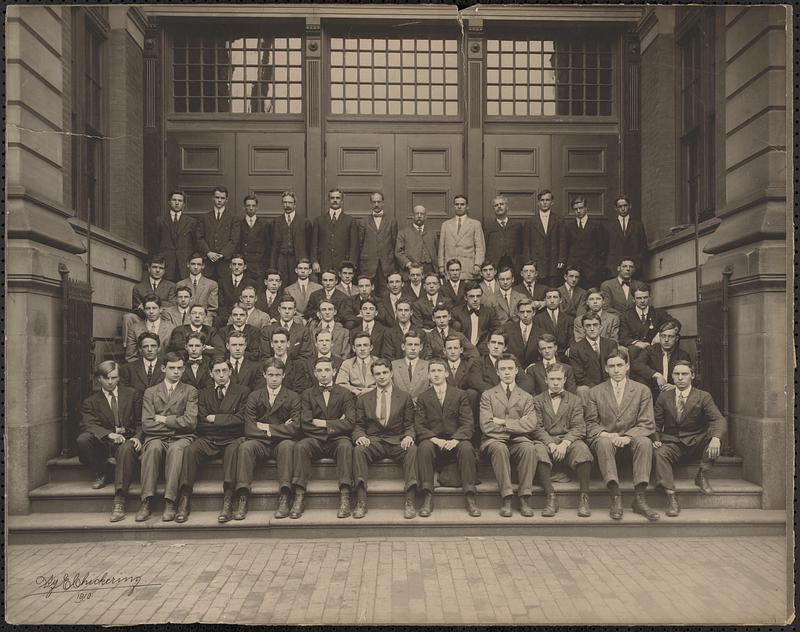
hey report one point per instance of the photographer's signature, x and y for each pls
(84, 584)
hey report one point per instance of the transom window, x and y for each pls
(541, 77)
(400, 76)
(237, 72)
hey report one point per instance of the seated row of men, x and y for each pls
(173, 423)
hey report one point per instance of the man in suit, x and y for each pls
(271, 427)
(153, 284)
(231, 285)
(654, 366)
(453, 288)
(497, 346)
(387, 304)
(639, 325)
(289, 243)
(245, 371)
(254, 238)
(619, 416)
(530, 286)
(169, 419)
(626, 237)
(327, 418)
(553, 321)
(538, 370)
(251, 335)
(330, 293)
(152, 323)
(414, 290)
(618, 292)
(324, 349)
(111, 433)
(489, 283)
(178, 314)
(506, 299)
(205, 292)
(544, 239)
(268, 300)
(220, 427)
(689, 426)
(296, 375)
(369, 326)
(573, 297)
(417, 244)
(437, 338)
(340, 337)
(443, 422)
(507, 418)
(463, 373)
(422, 309)
(175, 235)
(198, 369)
(584, 244)
(505, 243)
(461, 238)
(365, 292)
(355, 374)
(301, 345)
(562, 430)
(588, 356)
(334, 236)
(253, 316)
(609, 323)
(377, 238)
(195, 326)
(145, 371)
(384, 429)
(347, 272)
(394, 337)
(302, 288)
(410, 373)
(475, 319)
(218, 234)
(521, 334)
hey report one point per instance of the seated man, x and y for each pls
(538, 370)
(152, 323)
(639, 325)
(347, 270)
(369, 326)
(442, 319)
(552, 320)
(153, 283)
(506, 299)
(384, 430)
(588, 355)
(271, 426)
(653, 367)
(231, 284)
(198, 369)
(220, 426)
(443, 422)
(251, 335)
(521, 335)
(562, 430)
(196, 325)
(532, 288)
(243, 371)
(453, 288)
(296, 376)
(410, 373)
(365, 292)
(111, 433)
(619, 415)
(205, 291)
(326, 420)
(325, 321)
(422, 309)
(253, 316)
(414, 290)
(394, 337)
(476, 320)
(178, 314)
(268, 299)
(324, 346)
(464, 372)
(332, 294)
(301, 344)
(507, 418)
(301, 289)
(573, 295)
(619, 291)
(355, 374)
(145, 371)
(387, 304)
(689, 426)
(609, 323)
(488, 366)
(169, 419)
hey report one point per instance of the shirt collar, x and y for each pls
(619, 385)
(684, 393)
(115, 392)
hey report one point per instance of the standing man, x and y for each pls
(205, 292)
(218, 234)
(417, 243)
(175, 236)
(289, 245)
(618, 292)
(462, 238)
(334, 236)
(377, 238)
(585, 244)
(302, 288)
(255, 238)
(504, 237)
(544, 240)
(619, 416)
(626, 237)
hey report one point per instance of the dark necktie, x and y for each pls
(410, 372)
(194, 285)
(153, 285)
(150, 370)
(681, 404)
(220, 393)
(508, 391)
(555, 395)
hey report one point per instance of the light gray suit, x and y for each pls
(255, 318)
(300, 301)
(609, 327)
(419, 382)
(138, 327)
(467, 245)
(350, 376)
(207, 295)
(504, 311)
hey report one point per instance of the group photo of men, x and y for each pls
(529, 343)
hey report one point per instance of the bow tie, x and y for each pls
(555, 395)
(195, 362)
(475, 311)
(626, 283)
(326, 389)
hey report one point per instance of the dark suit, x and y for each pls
(289, 243)
(436, 344)
(221, 236)
(165, 290)
(589, 368)
(384, 440)
(133, 374)
(179, 336)
(411, 246)
(332, 243)
(586, 248)
(456, 297)
(376, 248)
(633, 329)
(199, 379)
(572, 304)
(489, 377)
(614, 295)
(565, 425)
(633, 244)
(544, 248)
(336, 361)
(340, 300)
(386, 315)
(650, 361)
(300, 343)
(229, 295)
(487, 323)
(393, 340)
(505, 246)
(297, 377)
(562, 330)
(376, 337)
(254, 244)
(537, 373)
(525, 352)
(409, 293)
(252, 338)
(538, 293)
(249, 375)
(175, 241)
(422, 311)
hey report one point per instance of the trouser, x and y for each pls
(672, 452)
(641, 450)
(364, 455)
(167, 450)
(431, 457)
(253, 451)
(475, 404)
(310, 448)
(522, 455)
(94, 452)
(201, 450)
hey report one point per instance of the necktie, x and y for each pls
(458, 228)
(154, 285)
(508, 391)
(363, 366)
(333, 217)
(618, 393)
(440, 396)
(569, 292)
(236, 281)
(183, 317)
(236, 367)
(150, 369)
(218, 215)
(419, 229)
(382, 407)
(303, 291)
(681, 404)
(410, 372)
(595, 347)
(251, 221)
(441, 333)
(220, 393)
(530, 288)
(169, 391)
(194, 285)
(115, 408)
(525, 333)
(624, 223)
(553, 318)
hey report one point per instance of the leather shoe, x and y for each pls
(673, 508)
(344, 503)
(118, 508)
(505, 510)
(524, 506)
(100, 481)
(226, 513)
(701, 480)
(298, 506)
(283, 506)
(583, 506)
(361, 503)
(241, 508)
(183, 510)
(641, 507)
(408, 510)
(615, 511)
(550, 507)
(169, 511)
(144, 511)
(472, 507)
(427, 505)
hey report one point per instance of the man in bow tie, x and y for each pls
(618, 292)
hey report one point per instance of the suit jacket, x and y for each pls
(413, 247)
(487, 323)
(377, 337)
(219, 236)
(650, 361)
(348, 290)
(632, 244)
(165, 290)
(468, 245)
(179, 336)
(340, 300)
(258, 410)
(138, 327)
(376, 245)
(456, 297)
(505, 244)
(526, 353)
(289, 242)
(586, 248)
(422, 311)
(633, 417)
(489, 377)
(633, 329)
(517, 410)
(333, 243)
(173, 314)
(340, 413)
(609, 327)
(356, 301)
(399, 425)
(467, 375)
(409, 293)
(207, 295)
(252, 338)
(271, 309)
(349, 375)
(590, 369)
(300, 300)
(565, 425)
(539, 290)
(297, 376)
(312, 361)
(544, 248)
(180, 411)
(250, 375)
(537, 374)
(489, 294)
(571, 305)
(386, 315)
(700, 419)
(175, 242)
(393, 340)
(506, 312)
(98, 419)
(200, 380)
(612, 292)
(256, 319)
(229, 295)
(133, 374)
(451, 420)
(228, 414)
(340, 338)
(562, 330)
(436, 344)
(419, 381)
(300, 343)
(254, 244)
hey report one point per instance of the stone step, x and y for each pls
(380, 523)
(79, 497)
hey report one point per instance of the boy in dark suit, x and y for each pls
(218, 234)
(289, 239)
(552, 320)
(588, 356)
(198, 372)
(254, 238)
(175, 234)
(145, 371)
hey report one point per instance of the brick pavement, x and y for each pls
(516, 580)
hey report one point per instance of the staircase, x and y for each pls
(67, 509)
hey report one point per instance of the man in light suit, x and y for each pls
(254, 316)
(302, 288)
(255, 238)
(489, 283)
(544, 239)
(153, 283)
(174, 235)
(505, 301)
(377, 238)
(384, 429)
(289, 239)
(340, 337)
(410, 374)
(688, 426)
(417, 244)
(153, 323)
(507, 418)
(573, 297)
(169, 419)
(555, 322)
(619, 416)
(178, 314)
(619, 291)
(334, 236)
(521, 334)
(505, 238)
(609, 323)
(205, 292)
(355, 373)
(462, 238)
(218, 234)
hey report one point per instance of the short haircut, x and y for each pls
(624, 259)
(238, 305)
(272, 271)
(347, 264)
(290, 194)
(335, 190)
(329, 271)
(198, 306)
(548, 338)
(218, 359)
(221, 189)
(176, 192)
(550, 290)
(249, 286)
(237, 334)
(462, 196)
(411, 333)
(286, 298)
(159, 259)
(619, 352)
(238, 255)
(144, 336)
(381, 362)
(439, 361)
(593, 290)
(104, 368)
(472, 285)
(362, 334)
(198, 336)
(589, 316)
(542, 193)
(378, 193)
(415, 266)
(322, 331)
(622, 196)
(556, 366)
(368, 301)
(530, 262)
(452, 337)
(525, 302)
(505, 269)
(184, 288)
(487, 264)
(196, 255)
(248, 197)
(272, 363)
(327, 302)
(684, 363)
(303, 260)
(642, 287)
(441, 306)
(362, 277)
(670, 324)
(401, 302)
(571, 268)
(277, 331)
(151, 298)
(171, 356)
(498, 332)
(429, 275)
(451, 262)
(578, 200)
(322, 361)
(508, 356)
